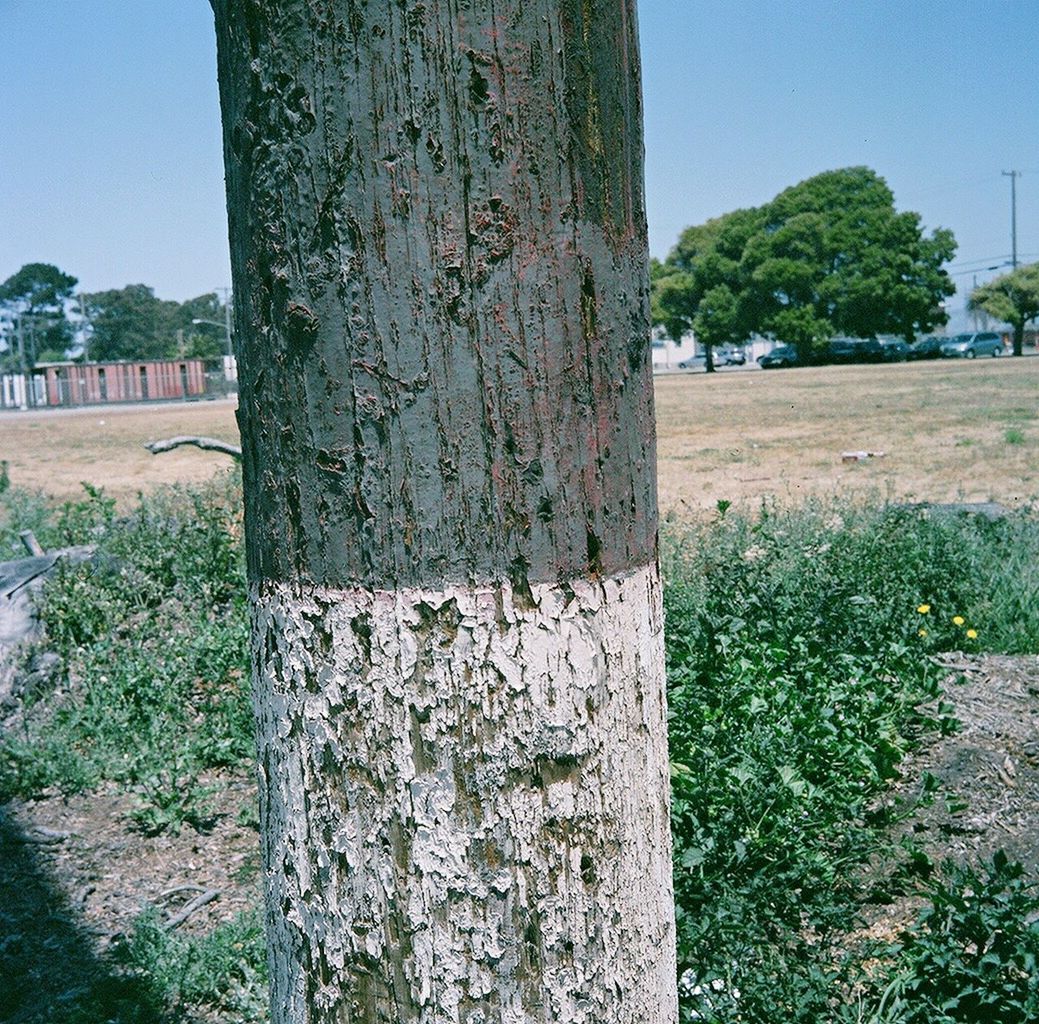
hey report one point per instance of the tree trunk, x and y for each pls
(1019, 337)
(441, 298)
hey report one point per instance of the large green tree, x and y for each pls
(36, 296)
(132, 323)
(830, 254)
(1012, 298)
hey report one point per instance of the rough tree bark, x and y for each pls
(440, 270)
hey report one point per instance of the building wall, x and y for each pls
(100, 383)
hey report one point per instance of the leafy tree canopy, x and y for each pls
(205, 340)
(37, 294)
(131, 323)
(829, 254)
(1012, 298)
(37, 287)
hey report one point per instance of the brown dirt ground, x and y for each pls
(74, 873)
(988, 778)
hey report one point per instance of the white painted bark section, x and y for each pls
(465, 804)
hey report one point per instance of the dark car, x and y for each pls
(926, 348)
(854, 350)
(781, 355)
(894, 350)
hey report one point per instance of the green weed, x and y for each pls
(971, 957)
(798, 679)
(153, 637)
(225, 970)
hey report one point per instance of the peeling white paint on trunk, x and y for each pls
(465, 803)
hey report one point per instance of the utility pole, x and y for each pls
(21, 356)
(226, 292)
(85, 328)
(1013, 176)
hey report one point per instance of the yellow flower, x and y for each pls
(958, 620)
(923, 609)
(972, 634)
(921, 632)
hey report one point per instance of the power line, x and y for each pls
(980, 259)
(979, 270)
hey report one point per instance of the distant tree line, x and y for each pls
(828, 256)
(44, 320)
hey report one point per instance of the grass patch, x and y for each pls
(224, 970)
(1014, 435)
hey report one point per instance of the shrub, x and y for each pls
(153, 637)
(798, 679)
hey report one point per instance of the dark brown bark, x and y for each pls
(439, 256)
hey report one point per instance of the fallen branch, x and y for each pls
(178, 889)
(209, 444)
(189, 908)
(44, 836)
(31, 544)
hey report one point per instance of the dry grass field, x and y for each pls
(951, 431)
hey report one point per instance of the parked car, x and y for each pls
(693, 363)
(781, 355)
(730, 357)
(968, 346)
(894, 350)
(854, 350)
(927, 348)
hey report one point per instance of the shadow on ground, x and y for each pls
(48, 967)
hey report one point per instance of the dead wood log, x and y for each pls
(209, 444)
(189, 908)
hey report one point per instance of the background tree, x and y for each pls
(37, 295)
(835, 247)
(1012, 298)
(829, 254)
(671, 300)
(440, 268)
(206, 340)
(717, 321)
(132, 323)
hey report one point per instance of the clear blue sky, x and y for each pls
(110, 161)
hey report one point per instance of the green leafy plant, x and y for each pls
(797, 683)
(972, 955)
(153, 635)
(224, 969)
